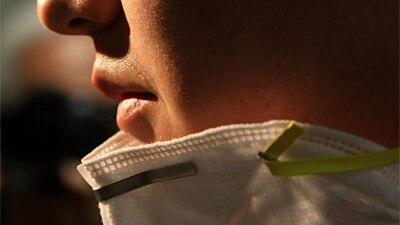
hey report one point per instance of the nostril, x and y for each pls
(76, 22)
(81, 26)
(79, 22)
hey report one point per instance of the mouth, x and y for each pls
(138, 103)
(146, 96)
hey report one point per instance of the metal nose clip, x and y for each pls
(145, 178)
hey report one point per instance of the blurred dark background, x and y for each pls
(51, 117)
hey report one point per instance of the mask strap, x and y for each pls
(145, 178)
(320, 165)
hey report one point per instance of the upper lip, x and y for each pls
(118, 87)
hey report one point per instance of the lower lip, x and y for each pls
(130, 112)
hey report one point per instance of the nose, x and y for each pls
(79, 17)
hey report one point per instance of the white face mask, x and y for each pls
(216, 177)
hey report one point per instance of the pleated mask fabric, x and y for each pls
(215, 177)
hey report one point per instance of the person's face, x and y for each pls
(176, 66)
(181, 66)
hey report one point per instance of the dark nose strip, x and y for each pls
(145, 178)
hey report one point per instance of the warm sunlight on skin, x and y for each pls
(179, 67)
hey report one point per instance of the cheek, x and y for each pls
(187, 49)
(148, 45)
(144, 37)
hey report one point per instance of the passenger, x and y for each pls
(204, 85)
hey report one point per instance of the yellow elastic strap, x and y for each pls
(321, 165)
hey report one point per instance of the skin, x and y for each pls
(211, 63)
